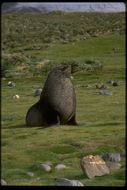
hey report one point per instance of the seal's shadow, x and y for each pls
(27, 127)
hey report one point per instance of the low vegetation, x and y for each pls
(101, 118)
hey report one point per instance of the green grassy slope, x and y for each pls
(101, 119)
(27, 38)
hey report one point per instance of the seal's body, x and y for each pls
(57, 104)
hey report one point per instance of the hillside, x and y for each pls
(25, 35)
(94, 44)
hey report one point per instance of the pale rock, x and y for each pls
(60, 166)
(31, 174)
(11, 84)
(94, 166)
(105, 92)
(16, 96)
(38, 92)
(3, 182)
(46, 167)
(67, 182)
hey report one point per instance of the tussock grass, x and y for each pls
(101, 119)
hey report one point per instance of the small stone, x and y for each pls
(3, 182)
(113, 166)
(67, 182)
(31, 174)
(38, 92)
(48, 163)
(72, 77)
(110, 81)
(16, 96)
(46, 167)
(60, 166)
(94, 166)
(3, 78)
(11, 84)
(101, 86)
(113, 157)
(104, 92)
(115, 83)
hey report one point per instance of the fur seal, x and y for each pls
(57, 103)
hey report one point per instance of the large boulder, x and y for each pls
(94, 166)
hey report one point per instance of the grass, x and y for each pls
(101, 118)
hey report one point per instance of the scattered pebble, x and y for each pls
(46, 167)
(16, 96)
(110, 81)
(104, 92)
(11, 84)
(48, 163)
(67, 182)
(38, 92)
(31, 174)
(3, 78)
(3, 182)
(60, 166)
(113, 157)
(101, 86)
(115, 83)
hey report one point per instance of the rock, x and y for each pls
(3, 78)
(113, 166)
(94, 166)
(3, 182)
(16, 96)
(67, 182)
(38, 92)
(101, 87)
(60, 166)
(48, 163)
(105, 92)
(31, 174)
(113, 157)
(110, 82)
(115, 83)
(46, 167)
(72, 77)
(11, 84)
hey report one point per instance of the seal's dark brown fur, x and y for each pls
(57, 104)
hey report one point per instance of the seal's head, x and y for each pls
(63, 70)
